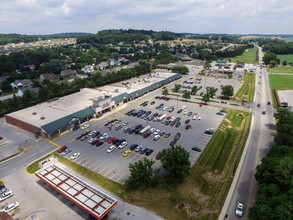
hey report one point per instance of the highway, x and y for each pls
(244, 186)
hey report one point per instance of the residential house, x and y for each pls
(113, 62)
(48, 76)
(221, 63)
(68, 73)
(88, 69)
(24, 83)
(103, 65)
(21, 91)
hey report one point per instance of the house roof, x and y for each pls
(49, 76)
(62, 122)
(68, 72)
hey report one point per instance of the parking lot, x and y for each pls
(113, 165)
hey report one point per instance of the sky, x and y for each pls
(189, 16)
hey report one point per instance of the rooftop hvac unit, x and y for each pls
(43, 117)
(34, 113)
(116, 90)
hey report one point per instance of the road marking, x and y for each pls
(72, 140)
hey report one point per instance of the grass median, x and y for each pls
(247, 89)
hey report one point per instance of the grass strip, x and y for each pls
(247, 89)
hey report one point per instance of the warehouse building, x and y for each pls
(51, 118)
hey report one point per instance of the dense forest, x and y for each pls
(237, 51)
(277, 47)
(275, 175)
(126, 36)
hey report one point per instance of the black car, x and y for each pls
(189, 114)
(187, 127)
(179, 111)
(177, 136)
(126, 130)
(155, 114)
(149, 151)
(177, 119)
(196, 149)
(268, 103)
(96, 134)
(167, 135)
(162, 133)
(187, 121)
(133, 146)
(220, 113)
(167, 122)
(173, 143)
(258, 105)
(138, 126)
(152, 102)
(224, 111)
(178, 124)
(75, 128)
(263, 112)
(99, 143)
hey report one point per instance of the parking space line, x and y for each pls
(109, 171)
(114, 174)
(101, 171)
(122, 174)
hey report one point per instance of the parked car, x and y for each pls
(133, 146)
(147, 134)
(10, 207)
(6, 195)
(179, 111)
(125, 123)
(167, 123)
(85, 126)
(75, 128)
(187, 121)
(152, 102)
(178, 124)
(99, 143)
(96, 140)
(61, 149)
(239, 209)
(195, 117)
(263, 112)
(67, 151)
(156, 132)
(111, 140)
(167, 135)
(187, 127)
(172, 123)
(148, 151)
(220, 113)
(118, 127)
(209, 131)
(142, 150)
(126, 153)
(268, 103)
(126, 130)
(159, 155)
(162, 133)
(111, 148)
(173, 143)
(196, 149)
(189, 114)
(157, 137)
(75, 155)
(123, 144)
(177, 136)
(137, 149)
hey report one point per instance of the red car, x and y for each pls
(147, 134)
(172, 123)
(168, 117)
(200, 105)
(111, 140)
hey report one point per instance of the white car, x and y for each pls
(92, 132)
(91, 140)
(6, 195)
(156, 132)
(105, 135)
(75, 155)
(195, 117)
(183, 107)
(157, 137)
(123, 144)
(110, 149)
(125, 123)
(239, 209)
(258, 92)
(172, 119)
(84, 126)
(152, 130)
(185, 112)
(10, 207)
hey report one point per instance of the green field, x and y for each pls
(281, 69)
(288, 39)
(280, 82)
(249, 56)
(287, 57)
(247, 89)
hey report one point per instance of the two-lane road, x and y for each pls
(259, 142)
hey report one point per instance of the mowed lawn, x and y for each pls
(247, 89)
(280, 82)
(286, 57)
(249, 56)
(281, 69)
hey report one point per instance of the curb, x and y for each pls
(18, 155)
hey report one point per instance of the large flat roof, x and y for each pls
(89, 198)
(67, 105)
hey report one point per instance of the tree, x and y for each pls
(212, 91)
(177, 87)
(284, 63)
(165, 92)
(186, 95)
(194, 90)
(6, 87)
(180, 69)
(227, 91)
(273, 63)
(176, 161)
(141, 174)
(269, 57)
(206, 97)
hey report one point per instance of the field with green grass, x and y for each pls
(249, 56)
(281, 69)
(280, 82)
(247, 89)
(286, 57)
(288, 39)
(203, 192)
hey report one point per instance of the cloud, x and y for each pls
(194, 16)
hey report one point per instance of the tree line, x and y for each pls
(275, 174)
